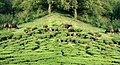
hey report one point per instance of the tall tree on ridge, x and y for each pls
(74, 6)
(50, 3)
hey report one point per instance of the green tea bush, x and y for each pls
(37, 32)
(108, 41)
(83, 35)
(62, 35)
(17, 36)
(91, 50)
(43, 30)
(30, 33)
(88, 36)
(78, 30)
(41, 36)
(25, 36)
(116, 40)
(98, 34)
(3, 38)
(5, 18)
(1, 27)
(6, 35)
(19, 20)
(31, 46)
(85, 41)
(23, 39)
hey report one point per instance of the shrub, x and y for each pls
(41, 36)
(91, 50)
(6, 35)
(108, 41)
(85, 41)
(116, 40)
(17, 36)
(5, 18)
(89, 36)
(25, 36)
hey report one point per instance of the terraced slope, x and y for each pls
(81, 44)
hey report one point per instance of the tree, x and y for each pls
(1, 6)
(70, 5)
(5, 6)
(50, 3)
(116, 10)
(74, 6)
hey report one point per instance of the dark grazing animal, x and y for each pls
(34, 28)
(109, 30)
(71, 30)
(12, 26)
(118, 30)
(8, 25)
(66, 25)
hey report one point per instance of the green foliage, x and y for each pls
(17, 36)
(5, 18)
(42, 46)
(6, 35)
(1, 6)
(96, 12)
(116, 10)
(116, 40)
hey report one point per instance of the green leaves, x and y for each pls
(1, 4)
(91, 7)
(116, 10)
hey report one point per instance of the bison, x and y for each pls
(66, 25)
(109, 30)
(12, 26)
(118, 30)
(71, 30)
(34, 28)
(8, 25)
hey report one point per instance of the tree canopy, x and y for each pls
(96, 8)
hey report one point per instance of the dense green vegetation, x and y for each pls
(100, 13)
(87, 45)
(41, 38)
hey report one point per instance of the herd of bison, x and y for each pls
(108, 30)
(9, 25)
(65, 26)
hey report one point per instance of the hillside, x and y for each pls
(36, 44)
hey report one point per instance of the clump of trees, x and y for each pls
(27, 10)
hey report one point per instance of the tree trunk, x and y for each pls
(62, 2)
(75, 13)
(49, 9)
